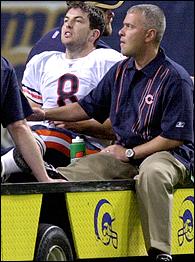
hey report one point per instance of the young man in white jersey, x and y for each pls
(52, 79)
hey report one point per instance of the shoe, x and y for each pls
(164, 258)
(52, 172)
(4, 177)
(19, 160)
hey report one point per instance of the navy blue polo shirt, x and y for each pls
(156, 100)
(14, 105)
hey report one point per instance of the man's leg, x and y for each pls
(158, 174)
(13, 162)
(98, 167)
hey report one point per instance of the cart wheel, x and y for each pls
(52, 244)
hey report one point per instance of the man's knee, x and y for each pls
(157, 168)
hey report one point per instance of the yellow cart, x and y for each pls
(83, 220)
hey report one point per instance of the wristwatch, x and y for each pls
(130, 153)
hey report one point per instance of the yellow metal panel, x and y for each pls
(105, 224)
(19, 222)
(183, 222)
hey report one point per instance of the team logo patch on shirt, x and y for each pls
(149, 99)
(180, 124)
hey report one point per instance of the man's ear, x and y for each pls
(95, 34)
(150, 35)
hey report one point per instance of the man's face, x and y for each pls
(133, 35)
(75, 30)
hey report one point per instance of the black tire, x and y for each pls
(52, 244)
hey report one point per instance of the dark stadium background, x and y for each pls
(178, 40)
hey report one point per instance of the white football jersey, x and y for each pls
(51, 80)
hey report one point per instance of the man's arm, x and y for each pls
(90, 127)
(75, 119)
(157, 144)
(71, 112)
(87, 127)
(26, 144)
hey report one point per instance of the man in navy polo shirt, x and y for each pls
(148, 98)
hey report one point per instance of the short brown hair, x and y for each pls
(96, 18)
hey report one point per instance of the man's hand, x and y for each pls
(67, 125)
(74, 126)
(38, 115)
(117, 151)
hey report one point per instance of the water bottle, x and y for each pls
(77, 149)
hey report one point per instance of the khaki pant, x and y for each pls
(158, 174)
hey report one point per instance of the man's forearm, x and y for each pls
(157, 144)
(71, 112)
(68, 113)
(93, 128)
(142, 151)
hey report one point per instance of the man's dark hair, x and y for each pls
(96, 18)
